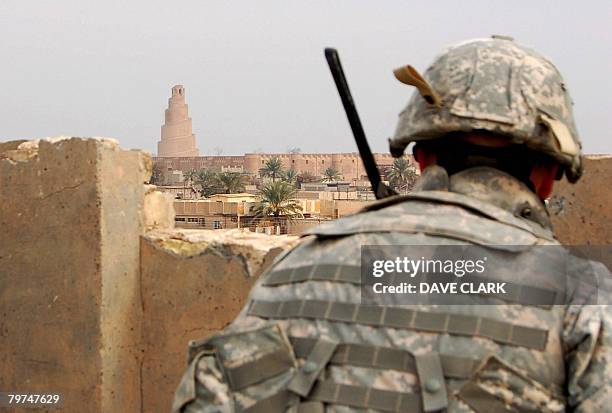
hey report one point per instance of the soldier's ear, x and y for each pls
(424, 157)
(543, 178)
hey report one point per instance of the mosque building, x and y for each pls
(177, 151)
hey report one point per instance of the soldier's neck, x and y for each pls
(488, 185)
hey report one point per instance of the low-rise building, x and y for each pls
(219, 213)
(338, 208)
(184, 191)
(239, 197)
(225, 211)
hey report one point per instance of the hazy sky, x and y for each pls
(254, 71)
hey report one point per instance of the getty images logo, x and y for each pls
(413, 267)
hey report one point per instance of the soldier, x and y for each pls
(493, 127)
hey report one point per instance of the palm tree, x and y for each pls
(209, 184)
(157, 174)
(290, 176)
(331, 175)
(402, 174)
(189, 176)
(230, 182)
(272, 168)
(188, 181)
(305, 177)
(278, 199)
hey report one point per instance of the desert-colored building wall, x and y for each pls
(338, 208)
(348, 165)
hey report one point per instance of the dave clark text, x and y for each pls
(441, 288)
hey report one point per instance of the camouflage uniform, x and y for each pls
(305, 343)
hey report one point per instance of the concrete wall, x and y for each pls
(582, 213)
(193, 284)
(68, 275)
(121, 225)
(89, 306)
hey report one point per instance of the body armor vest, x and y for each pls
(306, 343)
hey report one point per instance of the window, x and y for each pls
(216, 224)
(177, 219)
(306, 161)
(262, 162)
(322, 160)
(192, 220)
(293, 161)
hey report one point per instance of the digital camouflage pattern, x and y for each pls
(305, 343)
(499, 86)
(573, 370)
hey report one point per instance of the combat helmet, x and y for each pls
(496, 85)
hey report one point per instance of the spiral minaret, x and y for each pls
(177, 138)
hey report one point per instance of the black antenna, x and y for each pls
(378, 187)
